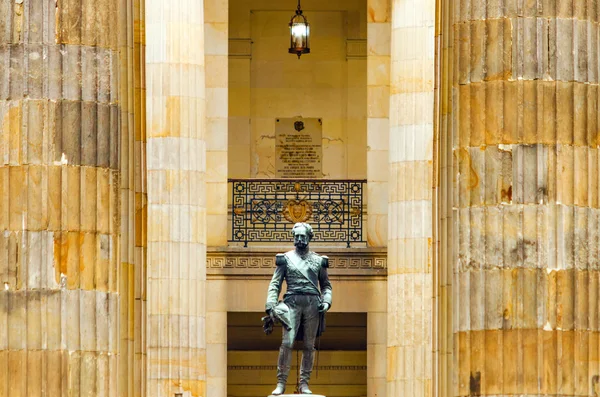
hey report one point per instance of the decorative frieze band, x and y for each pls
(267, 262)
(320, 367)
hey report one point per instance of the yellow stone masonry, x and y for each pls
(176, 193)
(60, 107)
(136, 379)
(475, 123)
(519, 170)
(379, 16)
(216, 28)
(410, 238)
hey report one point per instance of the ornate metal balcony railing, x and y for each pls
(265, 210)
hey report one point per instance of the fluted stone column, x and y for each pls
(139, 282)
(525, 196)
(127, 195)
(59, 198)
(443, 342)
(216, 28)
(410, 277)
(176, 197)
(378, 121)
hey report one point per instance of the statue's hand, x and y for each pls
(269, 307)
(324, 307)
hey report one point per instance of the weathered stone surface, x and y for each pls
(59, 176)
(519, 102)
(410, 277)
(176, 201)
(378, 117)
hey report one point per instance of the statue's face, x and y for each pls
(301, 238)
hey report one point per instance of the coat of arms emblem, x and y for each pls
(297, 211)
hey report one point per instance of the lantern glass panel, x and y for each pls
(299, 35)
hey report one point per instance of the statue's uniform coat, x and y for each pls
(297, 283)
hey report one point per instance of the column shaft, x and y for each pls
(217, 65)
(139, 280)
(216, 339)
(378, 122)
(176, 148)
(410, 276)
(443, 226)
(525, 197)
(59, 197)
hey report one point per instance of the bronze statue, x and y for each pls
(302, 312)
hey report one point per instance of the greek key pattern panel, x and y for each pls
(268, 262)
(274, 367)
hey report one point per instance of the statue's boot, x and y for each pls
(303, 388)
(280, 389)
(305, 371)
(283, 369)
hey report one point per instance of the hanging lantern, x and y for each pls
(299, 34)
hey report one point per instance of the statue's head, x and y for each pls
(303, 233)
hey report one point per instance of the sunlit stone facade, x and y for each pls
(472, 124)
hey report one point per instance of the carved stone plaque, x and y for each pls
(298, 148)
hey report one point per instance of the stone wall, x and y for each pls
(267, 83)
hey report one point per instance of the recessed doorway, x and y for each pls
(341, 370)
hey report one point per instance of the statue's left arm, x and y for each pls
(324, 281)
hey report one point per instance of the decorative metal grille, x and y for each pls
(265, 210)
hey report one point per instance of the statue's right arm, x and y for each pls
(276, 282)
